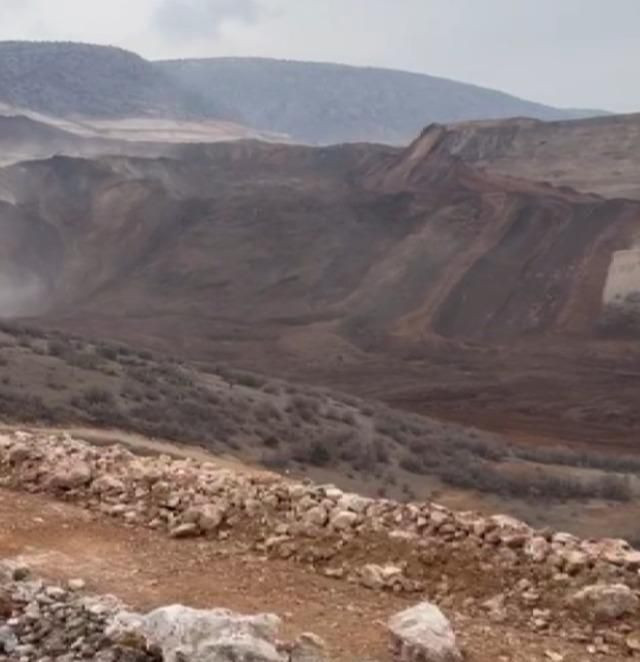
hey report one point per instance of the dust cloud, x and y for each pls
(20, 295)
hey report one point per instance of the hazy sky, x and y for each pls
(581, 53)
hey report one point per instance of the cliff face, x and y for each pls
(598, 155)
(412, 242)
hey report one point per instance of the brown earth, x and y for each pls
(144, 568)
(409, 276)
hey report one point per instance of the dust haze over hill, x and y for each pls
(310, 103)
(328, 103)
(19, 295)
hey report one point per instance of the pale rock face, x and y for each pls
(191, 635)
(562, 538)
(605, 602)
(423, 634)
(508, 524)
(575, 561)
(354, 503)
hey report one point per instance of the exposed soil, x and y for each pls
(147, 570)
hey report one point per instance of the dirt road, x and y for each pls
(147, 570)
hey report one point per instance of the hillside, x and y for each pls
(329, 103)
(361, 445)
(404, 275)
(24, 139)
(202, 100)
(82, 80)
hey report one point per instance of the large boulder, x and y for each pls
(423, 634)
(605, 602)
(183, 634)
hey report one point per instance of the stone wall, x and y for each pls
(491, 564)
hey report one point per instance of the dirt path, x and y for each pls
(148, 570)
(144, 568)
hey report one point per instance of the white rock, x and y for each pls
(574, 561)
(379, 576)
(354, 503)
(343, 520)
(506, 523)
(562, 538)
(8, 641)
(423, 634)
(76, 584)
(192, 635)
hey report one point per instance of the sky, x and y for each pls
(569, 53)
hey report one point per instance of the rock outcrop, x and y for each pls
(43, 622)
(423, 634)
(193, 635)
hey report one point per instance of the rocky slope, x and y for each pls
(563, 596)
(335, 265)
(598, 155)
(442, 247)
(328, 103)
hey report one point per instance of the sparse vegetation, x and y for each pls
(282, 425)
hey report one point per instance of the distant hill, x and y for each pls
(311, 103)
(329, 103)
(69, 79)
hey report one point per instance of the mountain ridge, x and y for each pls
(347, 102)
(311, 103)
